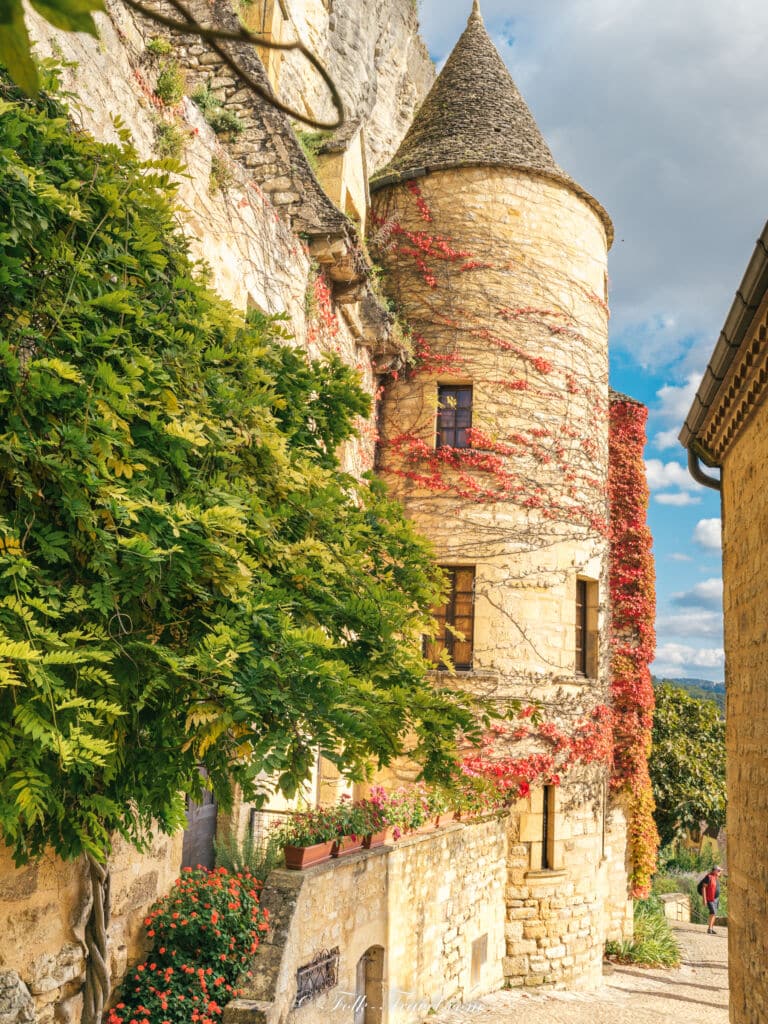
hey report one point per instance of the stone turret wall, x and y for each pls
(526, 291)
(501, 275)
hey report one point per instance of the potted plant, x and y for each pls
(353, 824)
(308, 838)
(380, 828)
(440, 807)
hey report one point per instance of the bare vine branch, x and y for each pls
(215, 36)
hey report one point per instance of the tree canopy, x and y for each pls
(186, 576)
(687, 763)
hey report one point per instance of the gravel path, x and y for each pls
(696, 992)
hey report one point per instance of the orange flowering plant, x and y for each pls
(203, 935)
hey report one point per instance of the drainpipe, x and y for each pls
(698, 474)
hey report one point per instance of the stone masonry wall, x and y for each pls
(376, 57)
(43, 911)
(745, 606)
(424, 901)
(559, 919)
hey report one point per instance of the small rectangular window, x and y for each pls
(581, 627)
(458, 613)
(586, 634)
(548, 829)
(454, 416)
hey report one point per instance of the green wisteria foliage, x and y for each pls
(186, 576)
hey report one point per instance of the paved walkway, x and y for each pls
(696, 992)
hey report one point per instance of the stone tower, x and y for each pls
(496, 442)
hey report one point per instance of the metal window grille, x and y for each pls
(318, 976)
(454, 416)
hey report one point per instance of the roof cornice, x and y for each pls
(735, 378)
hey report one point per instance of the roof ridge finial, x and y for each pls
(476, 10)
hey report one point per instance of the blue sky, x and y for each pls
(660, 110)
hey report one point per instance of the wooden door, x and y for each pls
(200, 833)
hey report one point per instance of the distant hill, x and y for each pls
(704, 689)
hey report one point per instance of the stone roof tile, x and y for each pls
(474, 115)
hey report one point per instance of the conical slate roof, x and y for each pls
(474, 115)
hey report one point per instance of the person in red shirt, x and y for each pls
(711, 894)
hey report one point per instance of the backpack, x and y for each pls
(702, 884)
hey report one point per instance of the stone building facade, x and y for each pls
(496, 441)
(518, 313)
(727, 428)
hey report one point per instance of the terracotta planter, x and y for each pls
(347, 844)
(299, 857)
(379, 838)
(444, 818)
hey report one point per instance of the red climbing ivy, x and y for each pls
(588, 740)
(633, 638)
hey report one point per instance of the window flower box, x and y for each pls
(347, 844)
(299, 857)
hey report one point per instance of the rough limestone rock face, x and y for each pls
(375, 55)
(16, 1004)
(53, 970)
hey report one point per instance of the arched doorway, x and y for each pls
(369, 989)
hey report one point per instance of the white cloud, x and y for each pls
(707, 594)
(694, 623)
(679, 498)
(678, 556)
(681, 659)
(668, 474)
(666, 438)
(675, 401)
(707, 534)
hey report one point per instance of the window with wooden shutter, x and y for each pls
(456, 616)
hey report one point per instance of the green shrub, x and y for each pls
(311, 144)
(653, 944)
(221, 175)
(225, 122)
(171, 83)
(159, 46)
(679, 858)
(170, 139)
(215, 113)
(203, 935)
(248, 855)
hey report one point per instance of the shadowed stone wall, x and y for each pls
(745, 606)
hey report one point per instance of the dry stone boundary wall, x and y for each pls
(424, 901)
